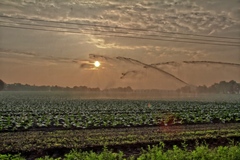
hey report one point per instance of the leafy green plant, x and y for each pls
(10, 157)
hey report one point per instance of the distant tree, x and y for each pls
(202, 89)
(128, 89)
(1, 85)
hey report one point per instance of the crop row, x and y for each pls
(152, 153)
(32, 140)
(18, 113)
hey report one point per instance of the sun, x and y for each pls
(97, 64)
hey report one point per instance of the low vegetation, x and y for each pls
(24, 112)
(35, 124)
(156, 152)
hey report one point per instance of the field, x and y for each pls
(38, 124)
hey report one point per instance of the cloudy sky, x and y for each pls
(161, 44)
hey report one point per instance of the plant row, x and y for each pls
(23, 113)
(157, 152)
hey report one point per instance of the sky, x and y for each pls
(139, 43)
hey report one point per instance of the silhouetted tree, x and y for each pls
(202, 89)
(221, 87)
(2, 84)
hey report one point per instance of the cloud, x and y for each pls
(31, 57)
(134, 74)
(171, 16)
(18, 53)
(213, 63)
(171, 63)
(101, 57)
(86, 66)
(166, 15)
(215, 18)
(136, 62)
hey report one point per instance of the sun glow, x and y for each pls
(97, 64)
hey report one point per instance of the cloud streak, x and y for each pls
(155, 66)
(18, 53)
(136, 62)
(131, 74)
(177, 64)
(100, 57)
(212, 62)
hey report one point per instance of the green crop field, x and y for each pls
(43, 123)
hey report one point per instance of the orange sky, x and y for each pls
(65, 58)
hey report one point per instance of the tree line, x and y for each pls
(27, 87)
(222, 87)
